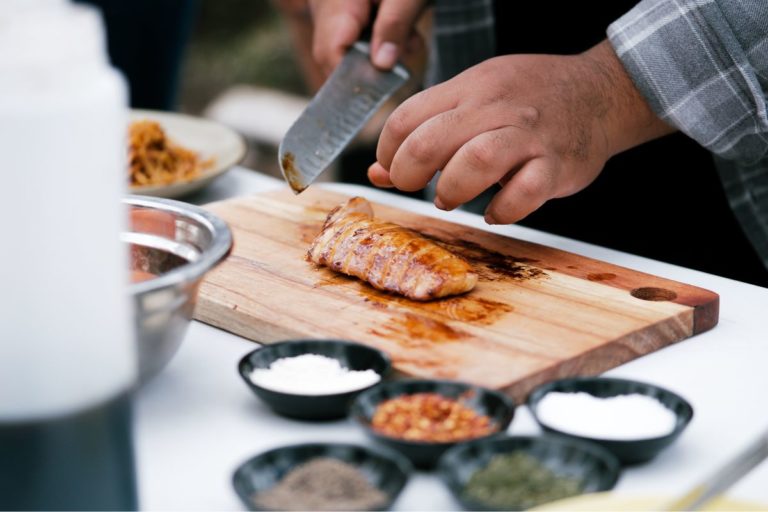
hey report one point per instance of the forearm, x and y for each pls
(627, 118)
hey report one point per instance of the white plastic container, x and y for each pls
(67, 348)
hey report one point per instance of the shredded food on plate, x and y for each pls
(155, 160)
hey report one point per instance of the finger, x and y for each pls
(528, 189)
(392, 28)
(428, 148)
(481, 162)
(338, 24)
(379, 176)
(410, 114)
(438, 140)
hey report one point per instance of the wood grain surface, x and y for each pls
(537, 313)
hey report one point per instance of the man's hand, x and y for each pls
(339, 23)
(542, 126)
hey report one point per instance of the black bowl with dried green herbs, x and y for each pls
(493, 412)
(321, 476)
(517, 473)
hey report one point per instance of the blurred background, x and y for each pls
(241, 53)
(237, 42)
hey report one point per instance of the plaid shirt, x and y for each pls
(703, 67)
(701, 64)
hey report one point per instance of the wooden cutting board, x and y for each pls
(537, 313)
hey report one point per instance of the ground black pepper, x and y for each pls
(323, 483)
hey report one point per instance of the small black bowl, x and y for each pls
(498, 407)
(628, 451)
(388, 472)
(595, 466)
(313, 407)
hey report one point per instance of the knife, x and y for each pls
(346, 101)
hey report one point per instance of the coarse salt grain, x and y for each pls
(621, 417)
(312, 374)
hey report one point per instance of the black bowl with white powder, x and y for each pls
(313, 379)
(633, 420)
(321, 476)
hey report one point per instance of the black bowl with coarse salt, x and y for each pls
(630, 451)
(353, 356)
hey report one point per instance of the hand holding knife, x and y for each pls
(346, 101)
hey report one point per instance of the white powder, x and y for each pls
(312, 374)
(622, 417)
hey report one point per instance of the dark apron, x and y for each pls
(662, 200)
(146, 41)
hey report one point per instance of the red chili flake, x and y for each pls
(430, 417)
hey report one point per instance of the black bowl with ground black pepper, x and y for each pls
(350, 355)
(423, 418)
(517, 473)
(321, 476)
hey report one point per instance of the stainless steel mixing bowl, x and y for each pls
(177, 243)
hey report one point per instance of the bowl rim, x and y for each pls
(445, 473)
(347, 343)
(191, 271)
(509, 406)
(538, 393)
(399, 461)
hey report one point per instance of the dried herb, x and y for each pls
(518, 481)
(323, 483)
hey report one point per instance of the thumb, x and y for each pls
(392, 28)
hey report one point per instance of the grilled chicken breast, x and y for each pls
(388, 256)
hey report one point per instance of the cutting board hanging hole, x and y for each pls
(653, 294)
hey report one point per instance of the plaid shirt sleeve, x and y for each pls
(462, 36)
(703, 67)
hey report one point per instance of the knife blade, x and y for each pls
(346, 101)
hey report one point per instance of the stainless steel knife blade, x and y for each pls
(351, 95)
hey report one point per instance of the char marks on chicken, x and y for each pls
(388, 256)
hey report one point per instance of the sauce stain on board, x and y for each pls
(329, 277)
(491, 265)
(463, 308)
(416, 331)
(308, 232)
(601, 276)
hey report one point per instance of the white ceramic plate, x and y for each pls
(208, 138)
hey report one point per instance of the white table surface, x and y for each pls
(197, 421)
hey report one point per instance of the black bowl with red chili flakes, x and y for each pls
(423, 418)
